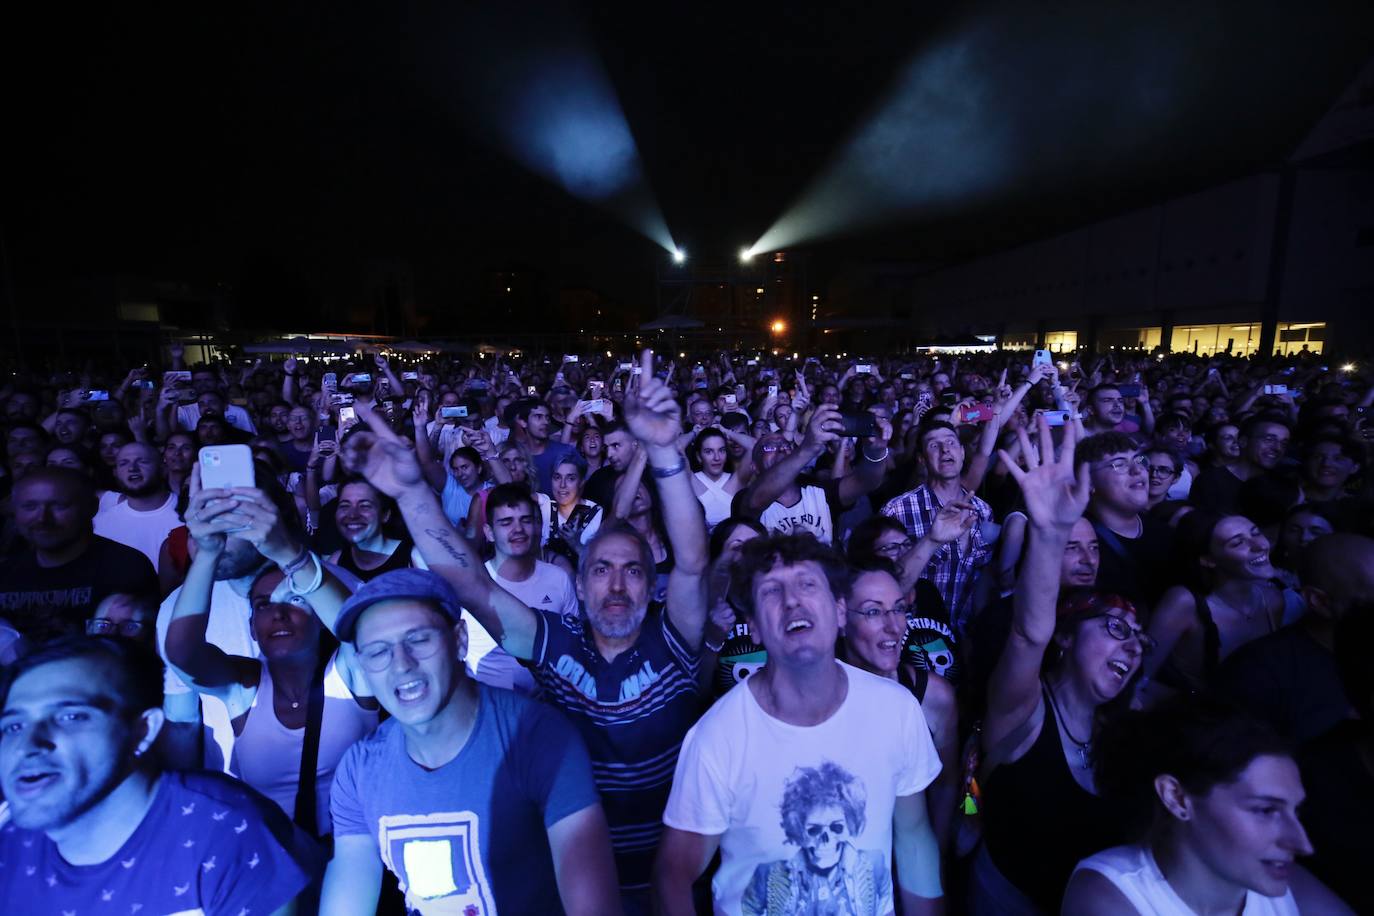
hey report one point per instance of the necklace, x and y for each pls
(1084, 748)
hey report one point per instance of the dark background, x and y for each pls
(268, 149)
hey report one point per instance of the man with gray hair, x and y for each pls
(625, 671)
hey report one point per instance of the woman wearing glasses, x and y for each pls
(1069, 662)
(874, 634)
(1233, 596)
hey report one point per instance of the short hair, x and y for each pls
(865, 535)
(929, 426)
(1349, 448)
(1105, 386)
(1100, 445)
(615, 426)
(1174, 420)
(1174, 455)
(825, 786)
(137, 669)
(576, 460)
(510, 495)
(73, 412)
(1201, 741)
(870, 564)
(521, 409)
(1249, 424)
(617, 528)
(84, 488)
(762, 554)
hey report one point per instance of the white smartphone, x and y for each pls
(864, 369)
(223, 467)
(347, 417)
(1042, 358)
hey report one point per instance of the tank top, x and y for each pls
(267, 755)
(715, 500)
(1174, 676)
(1021, 798)
(399, 559)
(1134, 872)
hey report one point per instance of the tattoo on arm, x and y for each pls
(442, 537)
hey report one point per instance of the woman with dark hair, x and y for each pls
(727, 638)
(714, 481)
(1220, 793)
(362, 514)
(1068, 664)
(591, 445)
(1234, 596)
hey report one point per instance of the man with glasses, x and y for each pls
(1263, 442)
(1134, 549)
(478, 800)
(798, 740)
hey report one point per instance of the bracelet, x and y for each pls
(296, 565)
(880, 460)
(315, 582)
(711, 648)
(664, 473)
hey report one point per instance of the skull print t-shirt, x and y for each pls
(804, 814)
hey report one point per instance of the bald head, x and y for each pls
(53, 508)
(1340, 568)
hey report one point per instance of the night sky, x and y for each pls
(275, 145)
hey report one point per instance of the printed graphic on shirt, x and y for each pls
(823, 815)
(739, 658)
(929, 644)
(438, 859)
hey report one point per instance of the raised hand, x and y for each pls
(210, 515)
(1055, 496)
(825, 427)
(289, 366)
(952, 521)
(263, 526)
(652, 413)
(381, 456)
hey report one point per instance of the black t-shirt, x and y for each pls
(45, 602)
(600, 487)
(1338, 812)
(1289, 680)
(1216, 490)
(1137, 569)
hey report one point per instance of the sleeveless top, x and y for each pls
(1022, 799)
(1172, 675)
(1134, 872)
(399, 559)
(715, 500)
(267, 755)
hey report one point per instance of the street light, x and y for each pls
(778, 326)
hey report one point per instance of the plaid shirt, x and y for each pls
(951, 572)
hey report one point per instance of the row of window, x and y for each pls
(1202, 339)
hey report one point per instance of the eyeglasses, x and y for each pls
(1124, 465)
(1120, 628)
(104, 626)
(895, 549)
(873, 613)
(419, 644)
(1163, 470)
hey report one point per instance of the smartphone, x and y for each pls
(1129, 391)
(637, 370)
(864, 369)
(859, 424)
(569, 358)
(347, 417)
(145, 383)
(625, 367)
(975, 413)
(410, 376)
(223, 467)
(532, 391)
(949, 398)
(448, 413)
(1275, 389)
(328, 434)
(1042, 358)
(339, 400)
(907, 376)
(330, 382)
(772, 391)
(594, 406)
(96, 396)
(362, 378)
(596, 387)
(175, 378)
(751, 362)
(731, 400)
(1056, 417)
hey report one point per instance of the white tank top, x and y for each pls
(715, 500)
(1132, 869)
(267, 755)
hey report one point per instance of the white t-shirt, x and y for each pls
(811, 513)
(188, 415)
(742, 774)
(143, 531)
(1134, 872)
(548, 589)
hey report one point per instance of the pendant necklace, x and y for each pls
(1083, 747)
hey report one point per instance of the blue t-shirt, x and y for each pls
(208, 844)
(547, 460)
(633, 713)
(471, 836)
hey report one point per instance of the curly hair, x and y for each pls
(809, 788)
(760, 555)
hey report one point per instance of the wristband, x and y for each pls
(711, 648)
(315, 582)
(880, 459)
(296, 565)
(664, 473)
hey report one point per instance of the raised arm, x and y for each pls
(1055, 498)
(383, 458)
(823, 429)
(653, 416)
(435, 473)
(628, 483)
(288, 380)
(870, 465)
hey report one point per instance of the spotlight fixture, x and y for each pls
(746, 255)
(679, 256)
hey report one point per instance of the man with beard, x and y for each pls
(95, 825)
(621, 448)
(142, 517)
(1104, 411)
(624, 673)
(277, 537)
(1263, 441)
(52, 587)
(532, 426)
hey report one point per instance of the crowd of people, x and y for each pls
(1007, 633)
